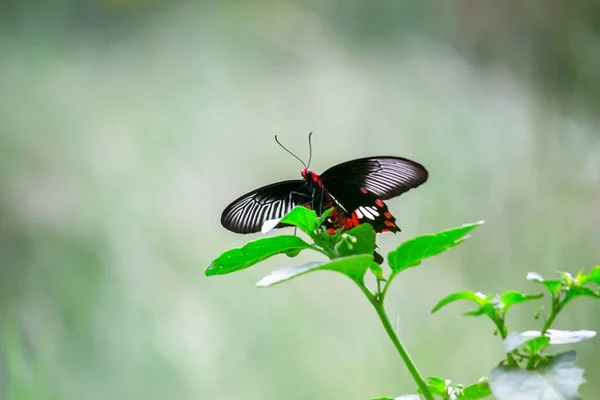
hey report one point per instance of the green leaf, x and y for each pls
(536, 341)
(306, 220)
(553, 285)
(363, 242)
(579, 291)
(594, 276)
(558, 380)
(437, 385)
(477, 390)
(377, 270)
(412, 252)
(466, 295)
(567, 278)
(511, 298)
(536, 345)
(324, 216)
(488, 306)
(514, 340)
(254, 252)
(353, 266)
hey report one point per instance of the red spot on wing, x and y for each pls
(387, 215)
(362, 189)
(385, 230)
(331, 230)
(355, 219)
(379, 203)
(390, 223)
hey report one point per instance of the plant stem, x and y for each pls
(412, 368)
(556, 306)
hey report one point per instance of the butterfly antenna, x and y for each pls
(283, 147)
(309, 149)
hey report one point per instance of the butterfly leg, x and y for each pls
(321, 203)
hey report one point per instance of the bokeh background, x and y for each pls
(127, 126)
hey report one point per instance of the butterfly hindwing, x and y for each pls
(353, 209)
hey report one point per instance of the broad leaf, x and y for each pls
(353, 266)
(466, 295)
(254, 252)
(305, 219)
(559, 380)
(511, 298)
(579, 291)
(361, 240)
(553, 285)
(412, 252)
(477, 390)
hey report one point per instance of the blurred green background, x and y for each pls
(127, 126)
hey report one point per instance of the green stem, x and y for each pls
(556, 306)
(412, 368)
(501, 326)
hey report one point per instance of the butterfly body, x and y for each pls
(355, 190)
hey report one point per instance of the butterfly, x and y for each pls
(355, 189)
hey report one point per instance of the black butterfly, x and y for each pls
(355, 189)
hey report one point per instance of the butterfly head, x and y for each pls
(309, 176)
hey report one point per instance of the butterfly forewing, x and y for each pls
(384, 176)
(250, 211)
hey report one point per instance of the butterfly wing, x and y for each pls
(383, 176)
(247, 213)
(354, 207)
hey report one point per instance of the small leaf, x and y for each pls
(594, 276)
(553, 285)
(352, 266)
(488, 307)
(324, 216)
(511, 298)
(365, 241)
(412, 252)
(559, 380)
(477, 390)
(568, 278)
(254, 252)
(579, 291)
(377, 270)
(437, 385)
(535, 340)
(305, 219)
(466, 295)
(514, 340)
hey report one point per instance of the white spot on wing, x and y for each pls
(374, 211)
(367, 213)
(359, 214)
(269, 225)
